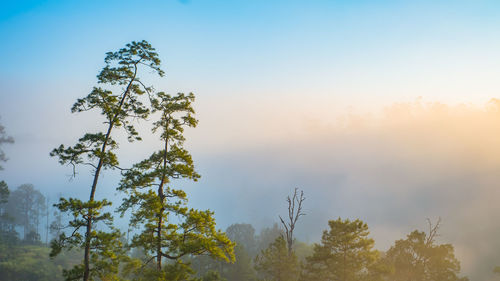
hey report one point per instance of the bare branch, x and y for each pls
(433, 231)
(294, 213)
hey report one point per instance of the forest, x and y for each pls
(345, 251)
(76, 239)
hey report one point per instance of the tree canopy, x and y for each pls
(345, 253)
(156, 204)
(119, 104)
(419, 257)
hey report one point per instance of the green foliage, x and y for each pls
(89, 148)
(25, 206)
(56, 226)
(4, 138)
(418, 257)
(4, 193)
(244, 235)
(268, 235)
(119, 104)
(170, 230)
(7, 224)
(119, 109)
(30, 262)
(302, 250)
(496, 270)
(276, 264)
(176, 270)
(214, 276)
(107, 249)
(345, 253)
(242, 269)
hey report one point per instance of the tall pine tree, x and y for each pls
(118, 102)
(170, 230)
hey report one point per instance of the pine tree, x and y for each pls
(119, 104)
(345, 253)
(276, 264)
(170, 230)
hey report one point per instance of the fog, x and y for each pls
(393, 167)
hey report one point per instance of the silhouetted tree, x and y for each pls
(7, 225)
(294, 213)
(242, 269)
(245, 250)
(267, 236)
(25, 204)
(244, 235)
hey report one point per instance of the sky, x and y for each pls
(378, 110)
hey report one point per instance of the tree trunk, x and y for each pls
(161, 196)
(86, 261)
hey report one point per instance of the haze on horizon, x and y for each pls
(386, 111)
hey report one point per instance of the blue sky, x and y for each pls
(290, 93)
(264, 47)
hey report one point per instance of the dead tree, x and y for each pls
(433, 231)
(294, 213)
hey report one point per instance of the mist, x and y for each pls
(393, 168)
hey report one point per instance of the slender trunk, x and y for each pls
(86, 261)
(290, 241)
(158, 241)
(161, 196)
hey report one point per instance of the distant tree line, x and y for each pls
(345, 252)
(24, 214)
